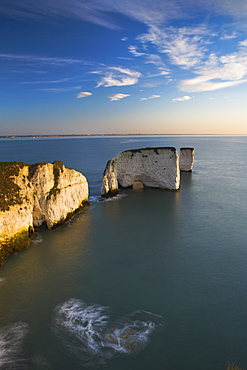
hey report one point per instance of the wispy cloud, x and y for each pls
(185, 47)
(226, 36)
(151, 97)
(44, 60)
(55, 90)
(117, 76)
(183, 98)
(45, 81)
(150, 59)
(84, 94)
(149, 12)
(219, 72)
(119, 96)
(133, 51)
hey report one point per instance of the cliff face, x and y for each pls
(186, 159)
(33, 194)
(153, 167)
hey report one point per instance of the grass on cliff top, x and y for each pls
(155, 149)
(9, 191)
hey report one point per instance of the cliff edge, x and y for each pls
(31, 195)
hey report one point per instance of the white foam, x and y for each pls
(88, 332)
(37, 238)
(112, 199)
(11, 340)
(2, 281)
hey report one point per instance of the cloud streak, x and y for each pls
(84, 94)
(55, 89)
(151, 97)
(183, 98)
(117, 76)
(219, 72)
(44, 60)
(119, 96)
(98, 12)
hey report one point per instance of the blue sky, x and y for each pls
(107, 66)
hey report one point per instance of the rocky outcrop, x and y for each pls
(31, 195)
(186, 159)
(153, 167)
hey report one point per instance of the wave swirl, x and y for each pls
(89, 333)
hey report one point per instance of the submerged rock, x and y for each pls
(153, 167)
(186, 159)
(31, 195)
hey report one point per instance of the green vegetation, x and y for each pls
(16, 243)
(154, 149)
(9, 191)
(232, 366)
(58, 167)
(187, 148)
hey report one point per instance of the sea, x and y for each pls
(148, 280)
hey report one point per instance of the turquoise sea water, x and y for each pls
(149, 280)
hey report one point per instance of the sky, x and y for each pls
(123, 67)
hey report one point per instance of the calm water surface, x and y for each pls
(150, 280)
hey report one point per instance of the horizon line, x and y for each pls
(103, 135)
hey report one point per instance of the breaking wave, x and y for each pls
(112, 199)
(11, 341)
(93, 338)
(36, 239)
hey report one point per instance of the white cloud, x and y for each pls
(219, 72)
(109, 81)
(243, 43)
(84, 94)
(133, 50)
(226, 36)
(184, 46)
(151, 97)
(210, 86)
(101, 12)
(118, 76)
(150, 59)
(124, 39)
(115, 97)
(183, 98)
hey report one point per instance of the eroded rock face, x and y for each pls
(33, 194)
(153, 167)
(186, 159)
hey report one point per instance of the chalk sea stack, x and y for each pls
(31, 195)
(153, 167)
(186, 159)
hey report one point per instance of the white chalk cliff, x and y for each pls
(31, 195)
(186, 159)
(153, 167)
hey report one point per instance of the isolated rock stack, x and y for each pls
(153, 167)
(147, 167)
(186, 159)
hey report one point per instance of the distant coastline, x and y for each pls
(105, 135)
